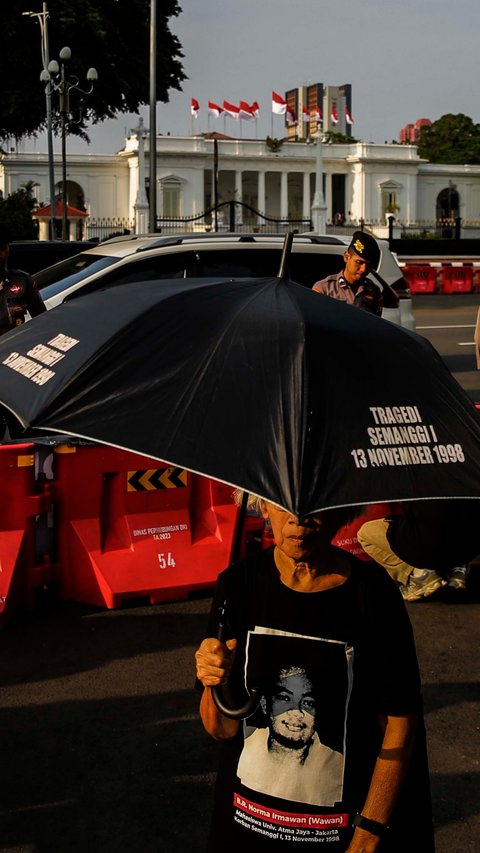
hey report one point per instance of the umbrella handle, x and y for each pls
(239, 713)
(218, 694)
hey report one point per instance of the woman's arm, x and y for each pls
(214, 661)
(387, 779)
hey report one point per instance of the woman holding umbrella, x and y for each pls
(335, 751)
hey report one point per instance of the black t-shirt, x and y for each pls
(327, 666)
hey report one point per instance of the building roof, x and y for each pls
(72, 212)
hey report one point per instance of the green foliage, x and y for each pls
(112, 36)
(16, 213)
(339, 138)
(451, 139)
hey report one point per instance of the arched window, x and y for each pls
(448, 203)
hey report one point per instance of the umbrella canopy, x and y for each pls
(261, 384)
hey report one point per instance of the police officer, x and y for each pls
(18, 291)
(351, 284)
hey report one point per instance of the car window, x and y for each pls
(54, 280)
(308, 267)
(238, 263)
(176, 265)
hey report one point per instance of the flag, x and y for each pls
(348, 117)
(214, 109)
(316, 114)
(231, 110)
(255, 109)
(279, 105)
(246, 111)
(306, 114)
(194, 108)
(334, 114)
(291, 115)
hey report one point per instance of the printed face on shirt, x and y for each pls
(293, 710)
(356, 268)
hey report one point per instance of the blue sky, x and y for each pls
(405, 60)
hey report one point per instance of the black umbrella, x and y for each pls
(261, 384)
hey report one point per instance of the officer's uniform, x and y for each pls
(18, 294)
(367, 295)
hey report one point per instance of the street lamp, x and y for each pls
(319, 208)
(56, 81)
(42, 18)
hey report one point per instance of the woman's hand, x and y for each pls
(363, 842)
(214, 661)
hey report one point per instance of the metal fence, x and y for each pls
(230, 216)
(103, 229)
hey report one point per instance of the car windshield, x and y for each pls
(56, 278)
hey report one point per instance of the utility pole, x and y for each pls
(153, 118)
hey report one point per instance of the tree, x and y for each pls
(335, 137)
(113, 36)
(16, 213)
(450, 139)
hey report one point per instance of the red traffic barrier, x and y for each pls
(457, 280)
(130, 527)
(421, 279)
(20, 503)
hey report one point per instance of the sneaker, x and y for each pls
(457, 578)
(425, 583)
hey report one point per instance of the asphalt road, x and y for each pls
(448, 321)
(102, 749)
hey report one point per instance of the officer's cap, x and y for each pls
(366, 247)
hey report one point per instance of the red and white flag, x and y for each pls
(246, 111)
(214, 109)
(334, 114)
(255, 109)
(231, 110)
(291, 115)
(316, 114)
(279, 104)
(194, 108)
(306, 114)
(348, 117)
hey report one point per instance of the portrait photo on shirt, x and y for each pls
(294, 743)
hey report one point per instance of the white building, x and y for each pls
(362, 182)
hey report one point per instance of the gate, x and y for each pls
(232, 216)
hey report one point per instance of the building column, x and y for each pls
(238, 197)
(328, 197)
(284, 195)
(307, 201)
(261, 197)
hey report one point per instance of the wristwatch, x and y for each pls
(372, 826)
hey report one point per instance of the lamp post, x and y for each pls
(44, 78)
(319, 208)
(56, 81)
